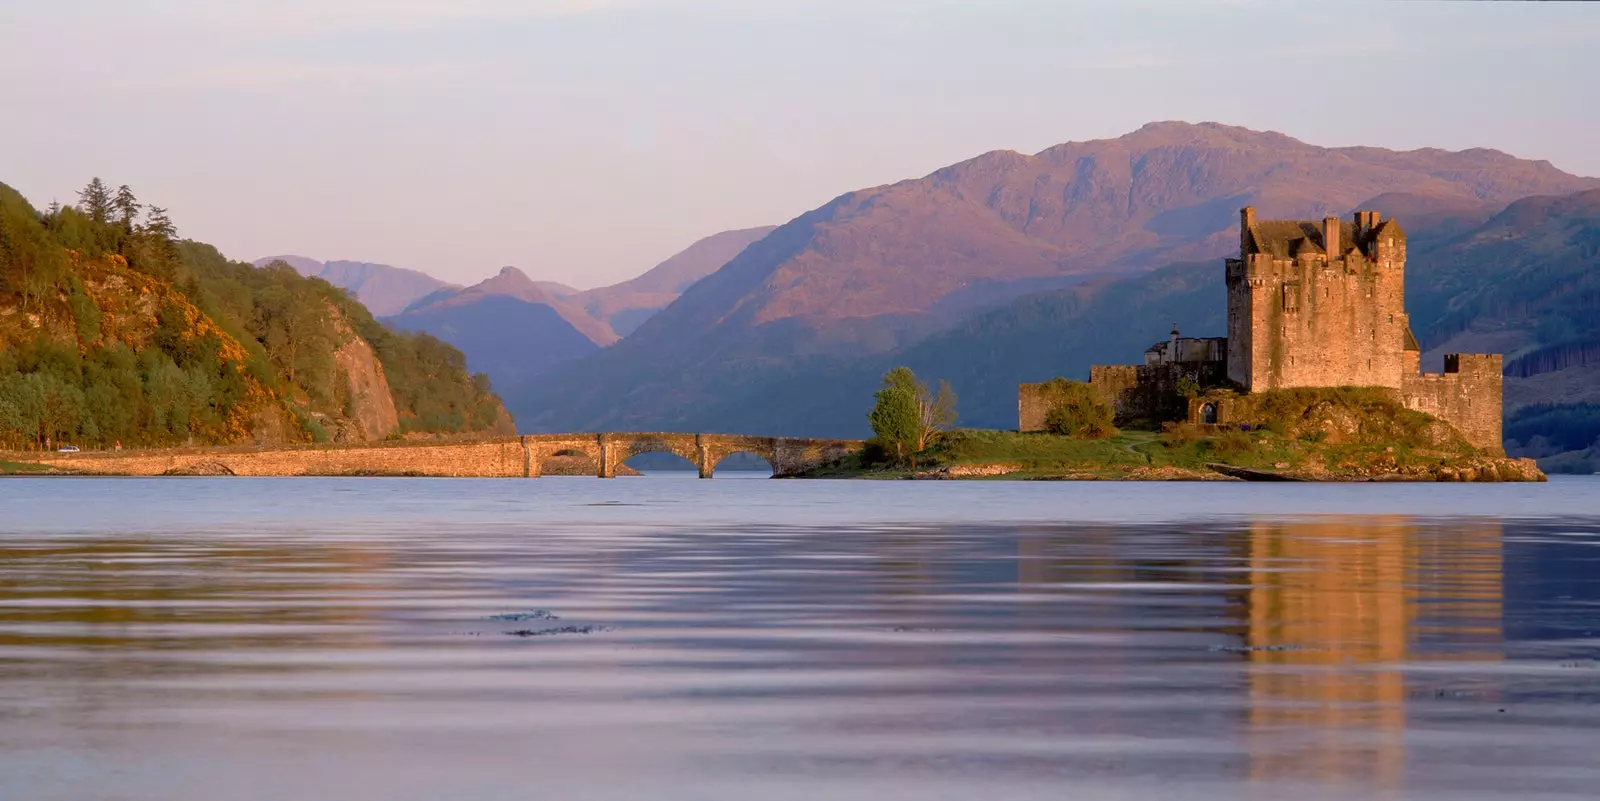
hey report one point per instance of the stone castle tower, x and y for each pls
(1323, 305)
(1310, 304)
(1318, 305)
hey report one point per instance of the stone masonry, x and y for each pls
(1317, 305)
(501, 457)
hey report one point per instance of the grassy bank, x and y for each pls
(1309, 434)
(1183, 453)
(23, 468)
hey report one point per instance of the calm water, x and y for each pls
(740, 639)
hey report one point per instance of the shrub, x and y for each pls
(1078, 411)
(1179, 435)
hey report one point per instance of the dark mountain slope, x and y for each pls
(877, 271)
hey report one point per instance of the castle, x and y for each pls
(1309, 305)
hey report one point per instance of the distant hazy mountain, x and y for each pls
(384, 290)
(627, 305)
(508, 326)
(762, 343)
(555, 290)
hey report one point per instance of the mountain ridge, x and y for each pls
(877, 270)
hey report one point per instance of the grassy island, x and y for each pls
(1335, 434)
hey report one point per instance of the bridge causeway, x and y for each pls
(788, 456)
(491, 457)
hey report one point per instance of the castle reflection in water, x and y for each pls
(1327, 613)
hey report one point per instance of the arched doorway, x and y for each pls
(1208, 414)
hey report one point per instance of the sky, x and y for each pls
(586, 140)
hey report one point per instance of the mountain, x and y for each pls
(627, 305)
(509, 326)
(384, 290)
(555, 290)
(114, 331)
(877, 271)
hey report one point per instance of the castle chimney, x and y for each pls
(1330, 237)
(1247, 220)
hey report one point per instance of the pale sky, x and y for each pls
(586, 140)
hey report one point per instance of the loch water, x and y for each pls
(669, 638)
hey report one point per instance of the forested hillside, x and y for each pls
(115, 331)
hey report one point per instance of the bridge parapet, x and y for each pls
(495, 457)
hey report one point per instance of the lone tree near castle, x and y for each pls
(908, 416)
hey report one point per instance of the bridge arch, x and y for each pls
(787, 456)
(765, 459)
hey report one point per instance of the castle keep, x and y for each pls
(1310, 304)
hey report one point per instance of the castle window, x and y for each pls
(1291, 297)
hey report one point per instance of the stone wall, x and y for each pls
(502, 457)
(1467, 395)
(1317, 319)
(1033, 403)
(488, 458)
(1114, 382)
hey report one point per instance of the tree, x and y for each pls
(95, 201)
(908, 416)
(162, 236)
(1078, 411)
(127, 207)
(936, 413)
(159, 225)
(894, 416)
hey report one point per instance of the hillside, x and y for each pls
(112, 330)
(764, 342)
(508, 326)
(384, 290)
(627, 305)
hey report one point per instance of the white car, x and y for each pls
(67, 449)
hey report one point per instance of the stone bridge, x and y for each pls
(498, 457)
(788, 456)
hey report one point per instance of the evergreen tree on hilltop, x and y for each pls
(95, 201)
(127, 207)
(157, 224)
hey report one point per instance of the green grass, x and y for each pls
(1034, 451)
(1137, 453)
(22, 468)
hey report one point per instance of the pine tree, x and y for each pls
(159, 225)
(53, 211)
(95, 201)
(127, 207)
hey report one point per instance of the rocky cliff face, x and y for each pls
(372, 415)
